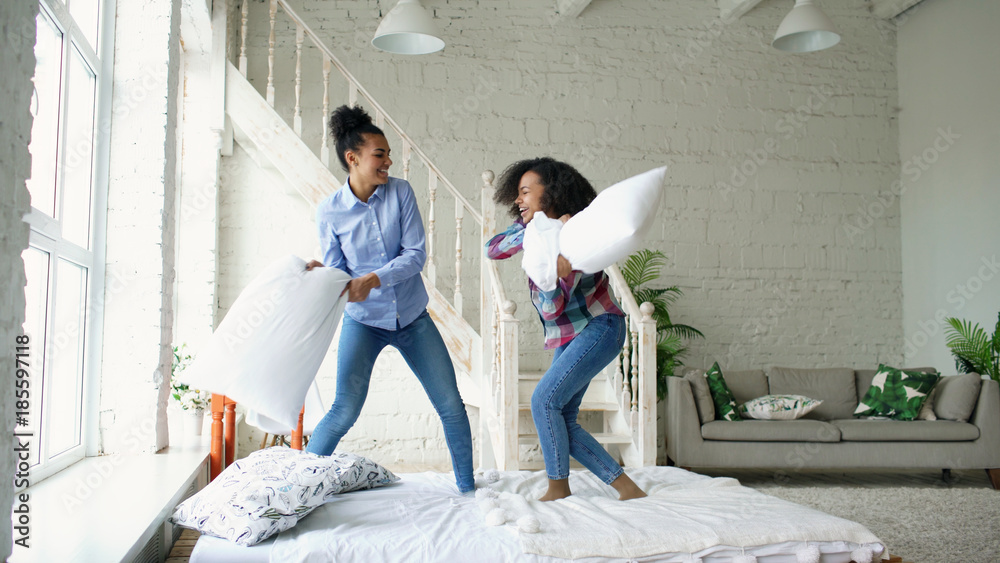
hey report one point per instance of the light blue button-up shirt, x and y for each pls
(385, 236)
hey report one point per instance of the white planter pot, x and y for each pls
(193, 421)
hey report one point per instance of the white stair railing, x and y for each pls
(634, 376)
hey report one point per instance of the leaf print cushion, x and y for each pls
(270, 490)
(778, 407)
(725, 405)
(896, 394)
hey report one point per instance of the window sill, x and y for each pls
(108, 508)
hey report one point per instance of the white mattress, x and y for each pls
(422, 518)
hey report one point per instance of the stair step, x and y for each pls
(584, 406)
(601, 437)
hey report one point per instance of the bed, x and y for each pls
(423, 518)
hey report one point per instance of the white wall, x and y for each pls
(141, 228)
(948, 144)
(771, 220)
(17, 65)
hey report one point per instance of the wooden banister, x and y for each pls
(222, 450)
(297, 433)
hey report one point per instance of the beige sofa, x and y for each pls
(830, 436)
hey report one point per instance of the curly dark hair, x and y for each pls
(566, 190)
(348, 126)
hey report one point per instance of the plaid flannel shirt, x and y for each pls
(566, 310)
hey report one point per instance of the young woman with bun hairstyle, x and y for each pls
(581, 321)
(371, 229)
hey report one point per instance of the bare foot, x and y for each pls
(558, 488)
(626, 487)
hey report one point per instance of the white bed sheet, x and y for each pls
(423, 518)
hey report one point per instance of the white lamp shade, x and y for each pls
(805, 29)
(408, 30)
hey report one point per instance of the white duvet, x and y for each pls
(422, 519)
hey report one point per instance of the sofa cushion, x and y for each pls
(702, 394)
(834, 386)
(955, 396)
(747, 384)
(906, 430)
(725, 405)
(801, 430)
(863, 378)
(896, 394)
(778, 407)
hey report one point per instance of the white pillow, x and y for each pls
(267, 350)
(614, 224)
(270, 490)
(778, 407)
(541, 250)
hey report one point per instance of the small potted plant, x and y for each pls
(975, 350)
(192, 401)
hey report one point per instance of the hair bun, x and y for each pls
(346, 119)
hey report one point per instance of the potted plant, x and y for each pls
(192, 401)
(644, 267)
(974, 349)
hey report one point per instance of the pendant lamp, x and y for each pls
(408, 30)
(805, 29)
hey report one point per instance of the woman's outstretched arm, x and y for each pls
(507, 243)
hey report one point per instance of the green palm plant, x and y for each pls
(974, 350)
(640, 269)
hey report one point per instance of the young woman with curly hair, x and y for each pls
(581, 320)
(371, 229)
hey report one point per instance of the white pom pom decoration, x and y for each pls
(808, 554)
(529, 524)
(486, 492)
(492, 476)
(497, 517)
(488, 504)
(862, 554)
(744, 559)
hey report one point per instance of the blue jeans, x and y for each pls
(555, 403)
(423, 349)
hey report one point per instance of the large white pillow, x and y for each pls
(271, 490)
(614, 224)
(267, 350)
(541, 250)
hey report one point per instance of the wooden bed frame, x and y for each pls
(223, 445)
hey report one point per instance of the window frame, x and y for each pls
(45, 234)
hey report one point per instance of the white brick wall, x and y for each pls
(772, 156)
(141, 228)
(17, 65)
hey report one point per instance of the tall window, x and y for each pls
(64, 260)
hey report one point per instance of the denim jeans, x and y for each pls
(423, 349)
(555, 403)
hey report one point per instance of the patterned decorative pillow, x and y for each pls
(778, 407)
(725, 405)
(896, 394)
(270, 490)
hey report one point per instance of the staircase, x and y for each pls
(485, 357)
